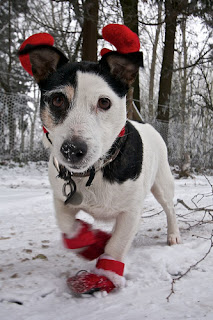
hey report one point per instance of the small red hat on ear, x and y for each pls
(35, 39)
(124, 39)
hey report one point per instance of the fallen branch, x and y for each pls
(190, 268)
(152, 215)
(194, 209)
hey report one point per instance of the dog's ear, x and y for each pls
(44, 60)
(125, 67)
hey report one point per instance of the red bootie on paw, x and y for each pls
(95, 250)
(91, 241)
(112, 269)
(107, 276)
(83, 238)
(88, 283)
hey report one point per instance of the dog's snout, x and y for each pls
(74, 150)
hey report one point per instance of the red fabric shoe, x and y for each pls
(84, 237)
(88, 283)
(95, 250)
(112, 269)
(107, 276)
(91, 241)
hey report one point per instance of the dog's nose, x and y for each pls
(74, 150)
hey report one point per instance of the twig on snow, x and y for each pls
(152, 215)
(194, 209)
(190, 268)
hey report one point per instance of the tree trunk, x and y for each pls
(10, 104)
(171, 14)
(90, 32)
(130, 15)
(184, 114)
(153, 64)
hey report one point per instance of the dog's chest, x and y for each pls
(101, 199)
(115, 187)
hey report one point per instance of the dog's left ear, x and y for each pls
(38, 56)
(125, 67)
(125, 62)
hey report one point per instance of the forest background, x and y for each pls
(174, 90)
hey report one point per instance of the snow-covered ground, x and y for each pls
(34, 265)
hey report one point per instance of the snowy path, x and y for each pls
(34, 265)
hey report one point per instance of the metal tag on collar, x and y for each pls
(73, 197)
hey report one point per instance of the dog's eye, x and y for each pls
(104, 103)
(58, 101)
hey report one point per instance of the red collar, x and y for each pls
(45, 130)
(122, 133)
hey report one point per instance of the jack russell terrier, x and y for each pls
(100, 162)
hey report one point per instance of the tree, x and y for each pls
(173, 10)
(153, 63)
(130, 17)
(86, 15)
(10, 81)
(90, 30)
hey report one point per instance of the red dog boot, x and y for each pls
(107, 275)
(84, 237)
(95, 250)
(88, 283)
(112, 269)
(91, 241)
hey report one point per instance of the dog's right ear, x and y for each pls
(126, 61)
(44, 60)
(124, 67)
(38, 56)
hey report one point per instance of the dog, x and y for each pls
(100, 162)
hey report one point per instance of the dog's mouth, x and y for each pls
(73, 169)
(78, 157)
(81, 167)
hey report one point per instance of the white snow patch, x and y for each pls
(34, 265)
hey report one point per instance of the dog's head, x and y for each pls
(83, 104)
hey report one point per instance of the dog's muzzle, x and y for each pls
(74, 150)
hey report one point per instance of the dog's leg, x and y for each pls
(124, 231)
(65, 218)
(163, 191)
(79, 235)
(110, 264)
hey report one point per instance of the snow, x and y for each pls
(34, 265)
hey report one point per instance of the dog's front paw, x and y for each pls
(83, 237)
(91, 241)
(173, 238)
(68, 225)
(107, 276)
(88, 283)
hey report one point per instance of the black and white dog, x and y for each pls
(99, 161)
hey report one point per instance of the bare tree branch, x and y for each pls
(172, 291)
(194, 209)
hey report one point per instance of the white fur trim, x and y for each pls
(76, 230)
(118, 281)
(106, 256)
